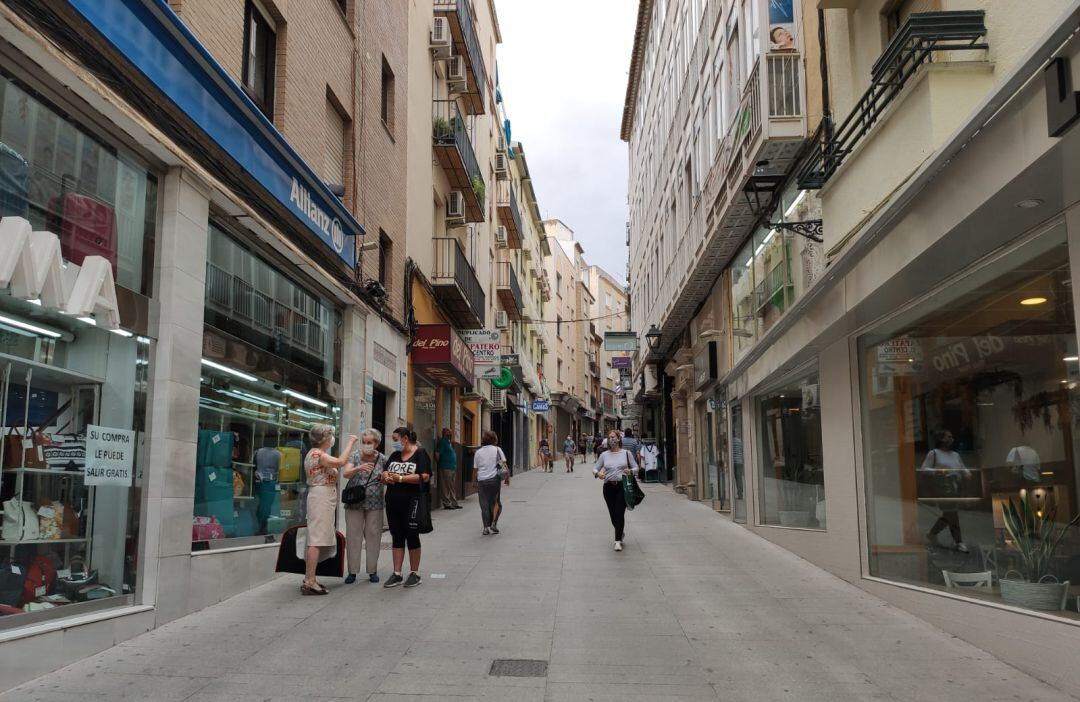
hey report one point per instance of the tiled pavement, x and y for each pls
(695, 608)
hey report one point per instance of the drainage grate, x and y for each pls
(518, 668)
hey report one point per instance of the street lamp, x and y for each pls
(652, 338)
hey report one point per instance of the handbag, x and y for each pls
(12, 579)
(20, 521)
(632, 492)
(66, 452)
(206, 529)
(420, 514)
(355, 492)
(502, 471)
(25, 451)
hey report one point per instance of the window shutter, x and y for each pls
(334, 160)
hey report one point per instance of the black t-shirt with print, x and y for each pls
(419, 462)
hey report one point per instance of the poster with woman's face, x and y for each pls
(781, 25)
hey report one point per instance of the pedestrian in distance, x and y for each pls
(446, 460)
(490, 472)
(610, 467)
(406, 475)
(569, 450)
(321, 474)
(631, 444)
(582, 447)
(948, 469)
(545, 455)
(364, 518)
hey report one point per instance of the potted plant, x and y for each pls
(441, 129)
(1036, 536)
(478, 188)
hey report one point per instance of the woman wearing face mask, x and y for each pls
(610, 467)
(321, 471)
(406, 475)
(364, 519)
(947, 464)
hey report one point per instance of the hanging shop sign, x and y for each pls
(510, 360)
(31, 265)
(705, 367)
(110, 455)
(622, 362)
(620, 341)
(441, 354)
(403, 396)
(485, 345)
(900, 356)
(540, 405)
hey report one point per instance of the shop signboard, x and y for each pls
(620, 341)
(705, 367)
(510, 360)
(403, 396)
(622, 362)
(369, 390)
(900, 356)
(441, 354)
(540, 406)
(486, 346)
(110, 455)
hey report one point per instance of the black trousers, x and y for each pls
(949, 518)
(397, 518)
(616, 506)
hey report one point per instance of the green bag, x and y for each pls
(632, 491)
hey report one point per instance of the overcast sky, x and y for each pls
(563, 67)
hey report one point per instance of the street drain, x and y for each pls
(518, 668)
(519, 500)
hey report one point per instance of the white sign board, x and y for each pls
(900, 356)
(110, 454)
(485, 344)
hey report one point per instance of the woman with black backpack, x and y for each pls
(610, 467)
(406, 475)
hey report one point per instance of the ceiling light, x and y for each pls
(142, 340)
(230, 371)
(306, 398)
(1029, 204)
(1071, 358)
(87, 320)
(122, 332)
(35, 302)
(30, 327)
(1029, 301)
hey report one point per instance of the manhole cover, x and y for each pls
(518, 668)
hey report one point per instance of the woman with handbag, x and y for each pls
(610, 467)
(949, 470)
(321, 471)
(406, 475)
(490, 471)
(363, 499)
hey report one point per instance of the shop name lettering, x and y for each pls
(431, 343)
(959, 354)
(330, 226)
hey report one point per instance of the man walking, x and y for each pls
(631, 444)
(569, 448)
(446, 460)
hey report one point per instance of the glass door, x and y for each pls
(738, 464)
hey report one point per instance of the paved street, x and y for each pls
(694, 608)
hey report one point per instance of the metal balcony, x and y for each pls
(509, 214)
(456, 285)
(508, 290)
(459, 14)
(923, 37)
(454, 150)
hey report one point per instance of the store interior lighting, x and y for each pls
(305, 398)
(17, 324)
(230, 371)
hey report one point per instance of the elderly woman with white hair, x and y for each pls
(363, 498)
(321, 471)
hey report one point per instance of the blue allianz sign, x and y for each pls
(540, 406)
(154, 40)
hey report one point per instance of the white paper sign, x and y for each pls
(110, 454)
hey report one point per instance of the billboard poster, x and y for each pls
(782, 25)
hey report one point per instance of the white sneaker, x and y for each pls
(618, 545)
(962, 547)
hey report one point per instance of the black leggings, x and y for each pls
(950, 519)
(397, 518)
(616, 506)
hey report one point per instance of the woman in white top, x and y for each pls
(610, 467)
(486, 463)
(948, 462)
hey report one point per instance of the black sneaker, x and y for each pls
(394, 580)
(413, 580)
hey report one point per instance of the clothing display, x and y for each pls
(267, 463)
(650, 455)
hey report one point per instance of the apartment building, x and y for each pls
(242, 281)
(906, 292)
(565, 375)
(609, 312)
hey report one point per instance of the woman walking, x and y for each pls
(488, 460)
(610, 467)
(364, 519)
(406, 475)
(545, 455)
(948, 468)
(321, 472)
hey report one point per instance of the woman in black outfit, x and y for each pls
(406, 474)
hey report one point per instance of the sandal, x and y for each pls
(308, 590)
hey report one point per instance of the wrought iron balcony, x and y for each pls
(454, 150)
(508, 290)
(459, 14)
(923, 37)
(509, 214)
(457, 286)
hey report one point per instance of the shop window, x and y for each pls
(260, 58)
(969, 404)
(792, 468)
(98, 200)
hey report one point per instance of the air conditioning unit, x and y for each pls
(502, 170)
(502, 140)
(440, 38)
(501, 320)
(498, 399)
(455, 207)
(455, 73)
(502, 240)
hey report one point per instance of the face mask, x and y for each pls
(398, 446)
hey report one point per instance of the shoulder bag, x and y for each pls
(355, 491)
(502, 472)
(420, 512)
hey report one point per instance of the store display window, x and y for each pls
(970, 404)
(73, 400)
(792, 468)
(99, 200)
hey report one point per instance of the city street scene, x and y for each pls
(574, 350)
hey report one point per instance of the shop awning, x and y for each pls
(441, 354)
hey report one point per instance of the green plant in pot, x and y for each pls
(478, 187)
(1036, 536)
(442, 128)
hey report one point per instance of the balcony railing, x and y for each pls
(454, 149)
(919, 40)
(508, 289)
(785, 88)
(459, 13)
(456, 283)
(509, 214)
